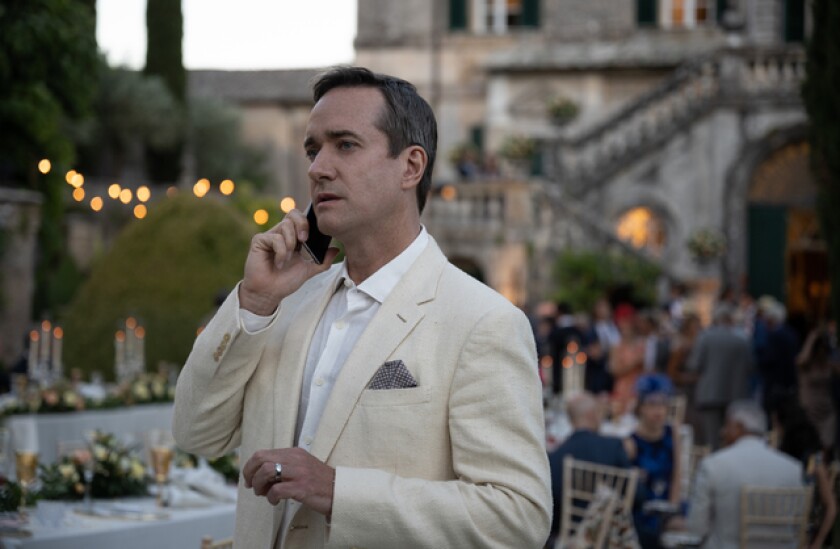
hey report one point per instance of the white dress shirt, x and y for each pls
(348, 313)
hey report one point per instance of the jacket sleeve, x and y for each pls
(500, 496)
(211, 387)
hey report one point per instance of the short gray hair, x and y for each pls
(749, 415)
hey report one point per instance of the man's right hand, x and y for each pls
(274, 269)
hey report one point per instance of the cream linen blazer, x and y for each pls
(457, 462)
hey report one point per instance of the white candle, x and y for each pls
(140, 334)
(46, 337)
(34, 336)
(119, 358)
(58, 367)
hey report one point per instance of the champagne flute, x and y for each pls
(161, 452)
(26, 463)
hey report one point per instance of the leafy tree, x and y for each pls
(131, 109)
(582, 277)
(217, 145)
(820, 94)
(165, 270)
(165, 32)
(47, 83)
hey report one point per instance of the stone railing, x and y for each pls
(728, 76)
(481, 211)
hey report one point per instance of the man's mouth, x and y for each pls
(321, 198)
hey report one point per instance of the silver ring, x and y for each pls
(278, 472)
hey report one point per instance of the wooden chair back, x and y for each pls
(774, 517)
(581, 481)
(676, 410)
(208, 543)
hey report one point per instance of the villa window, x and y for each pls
(675, 13)
(493, 16)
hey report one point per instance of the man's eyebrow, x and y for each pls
(332, 134)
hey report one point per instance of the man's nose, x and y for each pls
(321, 166)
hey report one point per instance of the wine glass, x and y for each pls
(161, 451)
(26, 464)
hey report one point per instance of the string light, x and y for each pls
(143, 193)
(140, 211)
(78, 194)
(287, 204)
(44, 166)
(125, 196)
(96, 203)
(114, 190)
(261, 217)
(226, 187)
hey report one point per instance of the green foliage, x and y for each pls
(47, 81)
(582, 277)
(165, 270)
(217, 145)
(819, 93)
(164, 32)
(130, 108)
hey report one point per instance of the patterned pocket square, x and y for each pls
(392, 375)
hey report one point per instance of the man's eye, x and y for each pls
(311, 154)
(346, 145)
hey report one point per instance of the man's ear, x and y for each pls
(416, 161)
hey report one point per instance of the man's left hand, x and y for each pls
(304, 478)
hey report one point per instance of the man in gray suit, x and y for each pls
(747, 461)
(722, 360)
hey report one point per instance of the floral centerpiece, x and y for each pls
(61, 397)
(117, 472)
(10, 495)
(562, 110)
(706, 244)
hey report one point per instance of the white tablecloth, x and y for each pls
(42, 432)
(183, 529)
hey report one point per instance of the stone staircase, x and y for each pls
(730, 77)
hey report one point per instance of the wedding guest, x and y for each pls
(601, 337)
(584, 444)
(389, 400)
(798, 438)
(814, 364)
(626, 360)
(746, 461)
(654, 449)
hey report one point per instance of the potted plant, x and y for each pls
(706, 244)
(562, 110)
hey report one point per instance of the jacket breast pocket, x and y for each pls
(396, 397)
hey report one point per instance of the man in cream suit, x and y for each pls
(387, 401)
(714, 513)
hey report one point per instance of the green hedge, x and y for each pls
(166, 270)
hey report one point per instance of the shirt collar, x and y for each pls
(380, 284)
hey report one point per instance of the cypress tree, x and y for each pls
(820, 95)
(164, 32)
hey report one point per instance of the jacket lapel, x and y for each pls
(396, 318)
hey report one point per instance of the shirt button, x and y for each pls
(307, 440)
(319, 381)
(340, 325)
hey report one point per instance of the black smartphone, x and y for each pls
(317, 243)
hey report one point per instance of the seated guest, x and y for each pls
(799, 438)
(746, 461)
(654, 449)
(585, 444)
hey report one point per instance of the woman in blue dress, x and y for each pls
(654, 449)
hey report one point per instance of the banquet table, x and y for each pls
(181, 529)
(43, 432)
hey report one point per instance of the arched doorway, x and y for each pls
(786, 256)
(643, 228)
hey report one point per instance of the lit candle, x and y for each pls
(46, 337)
(568, 376)
(119, 347)
(58, 367)
(34, 336)
(140, 334)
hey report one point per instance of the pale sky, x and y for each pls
(237, 34)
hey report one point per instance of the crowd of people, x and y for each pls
(762, 393)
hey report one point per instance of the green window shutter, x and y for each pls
(531, 13)
(477, 137)
(794, 20)
(767, 241)
(646, 12)
(457, 14)
(720, 9)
